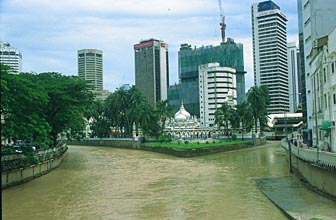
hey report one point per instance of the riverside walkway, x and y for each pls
(291, 196)
(295, 200)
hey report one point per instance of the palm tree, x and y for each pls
(258, 99)
(222, 116)
(164, 111)
(245, 116)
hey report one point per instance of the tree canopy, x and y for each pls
(127, 110)
(258, 99)
(39, 107)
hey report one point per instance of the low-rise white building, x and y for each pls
(216, 85)
(11, 57)
(323, 92)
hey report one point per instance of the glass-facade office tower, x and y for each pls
(270, 54)
(11, 57)
(90, 67)
(228, 54)
(151, 69)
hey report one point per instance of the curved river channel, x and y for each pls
(106, 183)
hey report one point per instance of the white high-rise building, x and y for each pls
(293, 77)
(322, 78)
(270, 54)
(11, 57)
(317, 18)
(216, 86)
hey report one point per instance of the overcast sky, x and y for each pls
(49, 32)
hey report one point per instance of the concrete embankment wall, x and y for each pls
(195, 151)
(321, 178)
(317, 168)
(129, 143)
(25, 174)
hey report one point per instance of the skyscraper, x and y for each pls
(90, 67)
(270, 54)
(228, 54)
(151, 69)
(293, 76)
(11, 57)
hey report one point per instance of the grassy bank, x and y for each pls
(193, 145)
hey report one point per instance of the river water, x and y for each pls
(107, 183)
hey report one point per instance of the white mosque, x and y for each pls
(183, 125)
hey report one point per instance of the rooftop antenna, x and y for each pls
(222, 19)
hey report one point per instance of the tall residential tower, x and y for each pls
(270, 54)
(151, 69)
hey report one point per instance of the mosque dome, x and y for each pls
(182, 114)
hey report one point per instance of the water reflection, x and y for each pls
(106, 183)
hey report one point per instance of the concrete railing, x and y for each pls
(312, 155)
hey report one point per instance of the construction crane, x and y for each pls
(222, 20)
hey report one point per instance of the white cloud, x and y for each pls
(49, 32)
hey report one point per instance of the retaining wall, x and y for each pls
(318, 168)
(129, 143)
(25, 174)
(194, 152)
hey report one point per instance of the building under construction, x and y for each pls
(227, 54)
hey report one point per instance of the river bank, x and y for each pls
(49, 160)
(204, 148)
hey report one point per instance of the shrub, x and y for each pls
(214, 142)
(186, 142)
(207, 142)
(178, 142)
(234, 137)
(198, 142)
(164, 138)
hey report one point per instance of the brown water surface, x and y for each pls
(106, 183)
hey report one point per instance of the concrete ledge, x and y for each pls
(294, 200)
(194, 152)
(317, 174)
(25, 174)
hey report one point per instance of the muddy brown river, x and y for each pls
(116, 184)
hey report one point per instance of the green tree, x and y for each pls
(99, 124)
(258, 98)
(222, 116)
(69, 97)
(234, 119)
(164, 112)
(22, 109)
(245, 116)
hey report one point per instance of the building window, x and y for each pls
(306, 4)
(334, 98)
(333, 67)
(324, 75)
